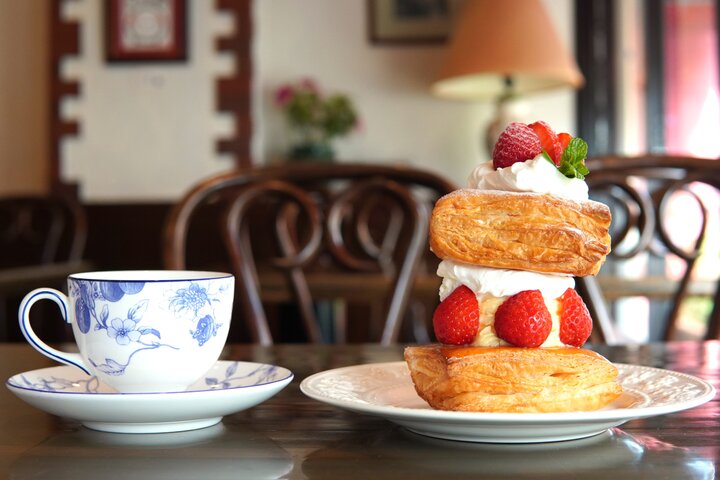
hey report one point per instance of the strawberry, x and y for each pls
(516, 143)
(457, 319)
(575, 320)
(564, 139)
(523, 319)
(548, 140)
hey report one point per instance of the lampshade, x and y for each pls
(501, 42)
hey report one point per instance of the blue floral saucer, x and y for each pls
(228, 387)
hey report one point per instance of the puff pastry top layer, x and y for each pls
(521, 231)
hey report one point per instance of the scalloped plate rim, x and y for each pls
(604, 415)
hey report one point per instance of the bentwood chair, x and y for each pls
(42, 240)
(665, 208)
(39, 230)
(318, 236)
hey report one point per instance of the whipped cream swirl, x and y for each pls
(537, 175)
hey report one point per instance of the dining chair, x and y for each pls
(40, 229)
(42, 240)
(665, 208)
(319, 236)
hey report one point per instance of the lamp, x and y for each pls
(501, 49)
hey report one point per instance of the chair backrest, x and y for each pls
(645, 194)
(39, 229)
(347, 231)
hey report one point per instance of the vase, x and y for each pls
(313, 152)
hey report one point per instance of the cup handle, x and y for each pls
(72, 359)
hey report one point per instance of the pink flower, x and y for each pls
(284, 94)
(310, 85)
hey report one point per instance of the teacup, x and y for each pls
(140, 331)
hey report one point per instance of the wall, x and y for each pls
(23, 97)
(148, 132)
(327, 40)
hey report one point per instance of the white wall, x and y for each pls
(148, 132)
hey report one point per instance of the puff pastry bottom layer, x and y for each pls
(508, 379)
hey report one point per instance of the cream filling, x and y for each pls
(486, 336)
(492, 286)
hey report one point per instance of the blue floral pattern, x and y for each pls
(123, 331)
(194, 304)
(86, 295)
(198, 304)
(55, 384)
(224, 375)
(260, 375)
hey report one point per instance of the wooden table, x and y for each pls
(292, 436)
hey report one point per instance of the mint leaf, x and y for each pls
(572, 164)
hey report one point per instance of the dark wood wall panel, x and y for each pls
(234, 92)
(64, 37)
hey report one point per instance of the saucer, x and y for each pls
(228, 387)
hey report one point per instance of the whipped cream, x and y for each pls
(493, 285)
(499, 282)
(537, 175)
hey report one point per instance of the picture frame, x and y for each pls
(410, 22)
(146, 30)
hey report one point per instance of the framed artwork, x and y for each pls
(410, 21)
(146, 30)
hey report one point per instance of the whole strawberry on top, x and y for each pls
(520, 142)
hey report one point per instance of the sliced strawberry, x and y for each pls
(564, 139)
(516, 143)
(523, 319)
(548, 140)
(575, 320)
(457, 319)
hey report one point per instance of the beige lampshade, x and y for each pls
(498, 39)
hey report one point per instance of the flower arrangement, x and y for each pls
(317, 119)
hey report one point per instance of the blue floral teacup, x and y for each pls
(141, 331)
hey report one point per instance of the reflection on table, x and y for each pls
(292, 436)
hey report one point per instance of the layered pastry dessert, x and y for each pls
(510, 324)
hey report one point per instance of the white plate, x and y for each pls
(227, 388)
(386, 390)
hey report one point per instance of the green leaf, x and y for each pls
(572, 164)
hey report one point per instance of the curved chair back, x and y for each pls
(38, 230)
(312, 232)
(42, 240)
(642, 192)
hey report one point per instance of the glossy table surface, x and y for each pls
(292, 436)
